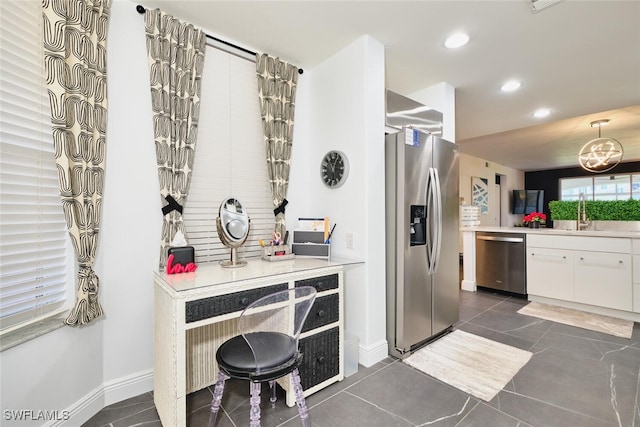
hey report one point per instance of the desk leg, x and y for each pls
(169, 391)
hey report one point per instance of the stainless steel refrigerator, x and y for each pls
(422, 252)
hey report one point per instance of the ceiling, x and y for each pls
(581, 59)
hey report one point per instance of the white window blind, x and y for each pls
(33, 237)
(230, 158)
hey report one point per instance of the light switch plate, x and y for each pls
(349, 240)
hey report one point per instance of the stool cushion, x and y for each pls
(276, 356)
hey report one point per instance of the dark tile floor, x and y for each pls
(575, 378)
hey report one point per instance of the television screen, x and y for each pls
(519, 201)
(534, 202)
(527, 201)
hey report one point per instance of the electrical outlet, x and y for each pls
(349, 240)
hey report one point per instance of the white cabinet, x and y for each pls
(550, 273)
(603, 279)
(583, 269)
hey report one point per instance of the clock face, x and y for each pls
(334, 169)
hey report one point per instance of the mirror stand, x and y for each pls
(233, 262)
(233, 225)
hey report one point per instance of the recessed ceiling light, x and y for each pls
(456, 40)
(510, 86)
(542, 112)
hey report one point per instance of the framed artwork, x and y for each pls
(480, 193)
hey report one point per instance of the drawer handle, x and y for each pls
(319, 285)
(320, 313)
(321, 359)
(563, 256)
(244, 302)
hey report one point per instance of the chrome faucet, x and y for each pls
(582, 222)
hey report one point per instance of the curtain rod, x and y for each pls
(141, 9)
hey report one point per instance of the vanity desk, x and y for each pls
(194, 313)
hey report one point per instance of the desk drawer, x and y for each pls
(321, 357)
(323, 283)
(325, 310)
(215, 306)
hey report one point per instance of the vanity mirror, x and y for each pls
(233, 226)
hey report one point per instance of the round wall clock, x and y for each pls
(334, 169)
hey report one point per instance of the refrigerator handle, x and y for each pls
(428, 225)
(430, 220)
(438, 211)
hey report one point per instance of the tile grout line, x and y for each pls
(309, 407)
(394, 415)
(554, 405)
(483, 312)
(636, 408)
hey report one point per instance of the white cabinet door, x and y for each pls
(603, 279)
(550, 273)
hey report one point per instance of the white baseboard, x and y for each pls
(82, 410)
(127, 387)
(105, 395)
(369, 356)
(468, 285)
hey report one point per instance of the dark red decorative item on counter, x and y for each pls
(179, 268)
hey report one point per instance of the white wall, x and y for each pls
(57, 371)
(132, 217)
(346, 112)
(87, 368)
(512, 179)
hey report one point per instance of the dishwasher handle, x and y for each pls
(501, 239)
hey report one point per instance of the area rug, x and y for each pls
(580, 319)
(470, 363)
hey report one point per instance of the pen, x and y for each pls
(330, 233)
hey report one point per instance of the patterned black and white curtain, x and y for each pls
(277, 82)
(75, 58)
(176, 52)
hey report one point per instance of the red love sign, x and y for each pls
(179, 268)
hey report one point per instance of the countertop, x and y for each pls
(213, 274)
(555, 231)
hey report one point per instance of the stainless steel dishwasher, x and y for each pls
(501, 261)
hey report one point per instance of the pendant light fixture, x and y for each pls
(600, 154)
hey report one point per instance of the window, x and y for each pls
(230, 158)
(601, 187)
(33, 233)
(612, 187)
(570, 188)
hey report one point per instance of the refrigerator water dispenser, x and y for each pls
(417, 222)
